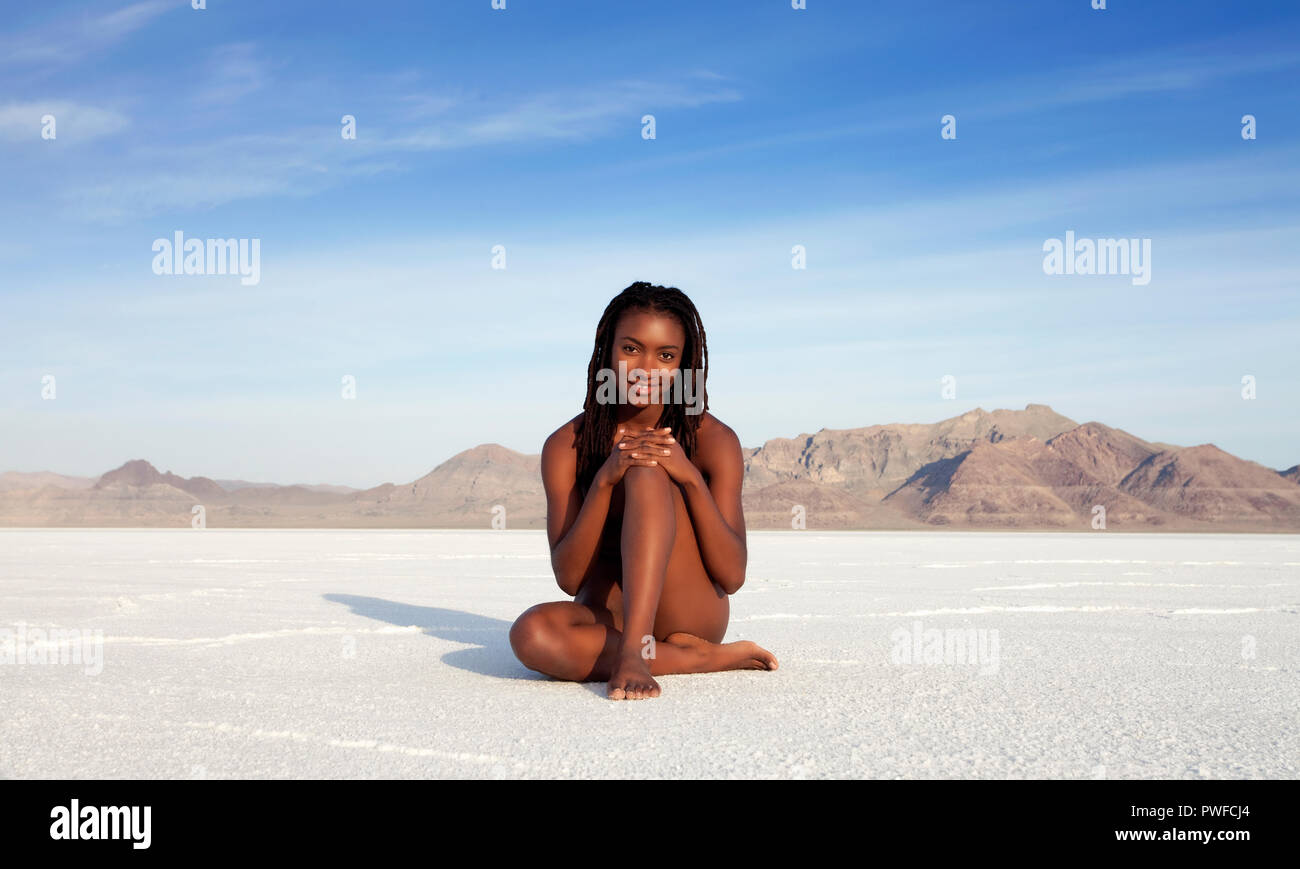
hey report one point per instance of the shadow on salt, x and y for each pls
(490, 653)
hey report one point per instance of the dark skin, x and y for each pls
(651, 551)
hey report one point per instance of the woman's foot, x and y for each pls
(631, 679)
(715, 657)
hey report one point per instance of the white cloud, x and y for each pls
(581, 113)
(73, 36)
(154, 178)
(74, 122)
(236, 71)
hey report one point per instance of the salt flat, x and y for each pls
(258, 653)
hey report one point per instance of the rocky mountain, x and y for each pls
(1025, 482)
(1207, 484)
(1008, 469)
(463, 491)
(139, 474)
(877, 459)
(1029, 483)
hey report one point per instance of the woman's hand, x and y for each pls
(620, 459)
(663, 448)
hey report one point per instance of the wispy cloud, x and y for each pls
(235, 71)
(1189, 69)
(996, 96)
(151, 178)
(203, 175)
(564, 114)
(73, 37)
(74, 122)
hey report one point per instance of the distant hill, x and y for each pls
(232, 485)
(462, 491)
(1030, 469)
(11, 481)
(1205, 483)
(139, 474)
(879, 458)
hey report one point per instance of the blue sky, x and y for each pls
(522, 127)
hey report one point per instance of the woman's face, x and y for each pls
(653, 343)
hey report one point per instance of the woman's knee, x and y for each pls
(533, 636)
(644, 481)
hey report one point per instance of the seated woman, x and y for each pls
(643, 512)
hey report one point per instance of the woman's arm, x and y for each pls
(573, 523)
(716, 510)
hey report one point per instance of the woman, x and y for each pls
(643, 512)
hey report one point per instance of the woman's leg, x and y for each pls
(582, 640)
(649, 528)
(575, 642)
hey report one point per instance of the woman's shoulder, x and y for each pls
(713, 433)
(564, 437)
(713, 426)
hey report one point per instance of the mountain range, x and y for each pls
(1030, 469)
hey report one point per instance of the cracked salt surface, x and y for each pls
(283, 654)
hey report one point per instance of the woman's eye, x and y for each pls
(628, 348)
(669, 356)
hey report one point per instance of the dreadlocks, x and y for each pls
(596, 429)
